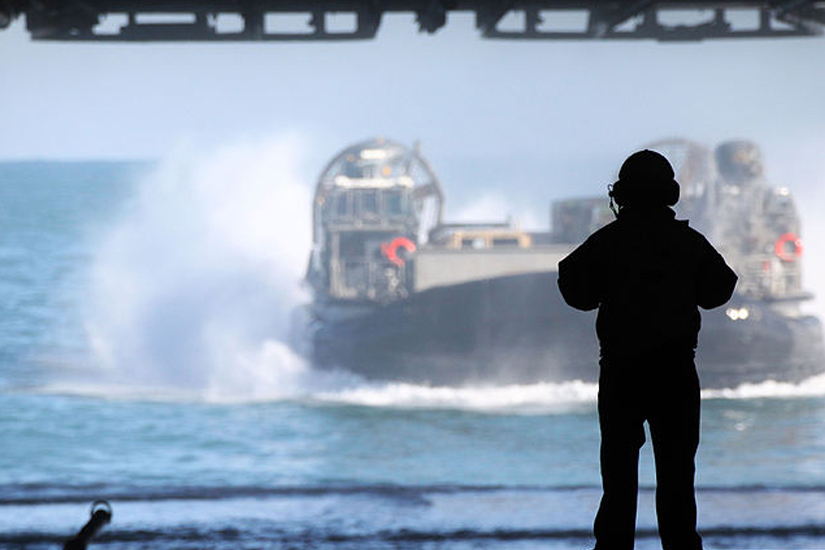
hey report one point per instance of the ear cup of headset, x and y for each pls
(652, 193)
(670, 193)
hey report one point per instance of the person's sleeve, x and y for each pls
(579, 277)
(716, 281)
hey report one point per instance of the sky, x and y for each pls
(453, 90)
(529, 111)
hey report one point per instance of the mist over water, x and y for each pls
(491, 206)
(810, 199)
(194, 285)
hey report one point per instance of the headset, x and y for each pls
(623, 192)
(646, 177)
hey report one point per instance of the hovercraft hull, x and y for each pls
(517, 330)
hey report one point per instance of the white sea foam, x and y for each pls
(539, 398)
(812, 387)
(529, 398)
(340, 388)
(194, 287)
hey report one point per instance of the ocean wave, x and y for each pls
(341, 388)
(389, 516)
(226, 535)
(233, 536)
(46, 494)
(536, 398)
(812, 387)
(542, 397)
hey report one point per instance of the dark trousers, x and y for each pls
(664, 391)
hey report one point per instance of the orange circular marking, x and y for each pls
(781, 247)
(390, 249)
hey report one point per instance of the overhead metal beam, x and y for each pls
(489, 15)
(802, 13)
(191, 20)
(602, 22)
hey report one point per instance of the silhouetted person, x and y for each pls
(647, 272)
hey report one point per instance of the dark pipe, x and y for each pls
(101, 515)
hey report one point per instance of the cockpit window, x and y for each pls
(342, 207)
(369, 202)
(395, 202)
(351, 245)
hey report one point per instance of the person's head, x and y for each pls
(646, 180)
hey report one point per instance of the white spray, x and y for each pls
(193, 289)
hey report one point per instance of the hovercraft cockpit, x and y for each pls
(375, 204)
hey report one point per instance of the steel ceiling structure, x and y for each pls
(248, 20)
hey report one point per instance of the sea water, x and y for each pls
(144, 360)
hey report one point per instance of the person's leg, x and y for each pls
(622, 434)
(674, 431)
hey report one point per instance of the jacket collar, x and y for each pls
(647, 214)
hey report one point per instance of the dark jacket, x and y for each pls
(647, 273)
